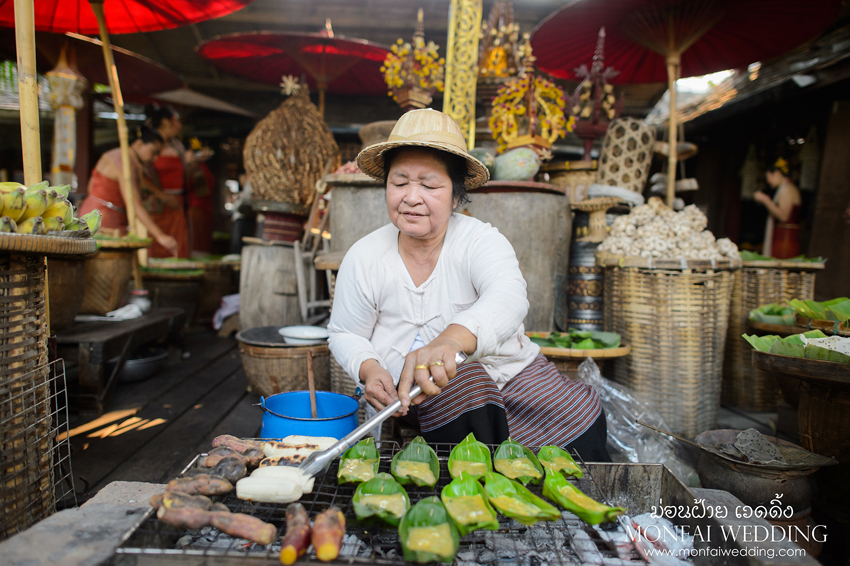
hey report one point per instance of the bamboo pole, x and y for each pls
(28, 90)
(118, 104)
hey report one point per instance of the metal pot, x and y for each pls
(289, 413)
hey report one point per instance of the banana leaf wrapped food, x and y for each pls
(557, 488)
(513, 500)
(417, 463)
(467, 504)
(557, 459)
(381, 498)
(470, 456)
(360, 462)
(427, 533)
(516, 462)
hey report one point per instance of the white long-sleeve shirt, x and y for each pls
(378, 311)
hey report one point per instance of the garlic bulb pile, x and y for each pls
(653, 230)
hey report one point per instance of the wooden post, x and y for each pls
(322, 88)
(118, 104)
(28, 90)
(672, 75)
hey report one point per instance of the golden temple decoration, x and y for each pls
(498, 52)
(462, 65)
(529, 110)
(414, 72)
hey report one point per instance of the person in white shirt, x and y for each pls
(433, 283)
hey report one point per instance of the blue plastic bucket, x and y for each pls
(289, 413)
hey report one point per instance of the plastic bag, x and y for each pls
(627, 440)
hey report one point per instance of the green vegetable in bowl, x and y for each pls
(427, 533)
(417, 464)
(381, 498)
(578, 340)
(513, 500)
(516, 462)
(466, 502)
(470, 456)
(557, 459)
(359, 463)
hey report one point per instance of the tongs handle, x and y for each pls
(379, 418)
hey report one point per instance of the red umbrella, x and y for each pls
(333, 63)
(654, 40)
(124, 16)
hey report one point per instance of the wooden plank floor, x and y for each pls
(152, 429)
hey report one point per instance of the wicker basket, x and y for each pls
(26, 458)
(66, 283)
(274, 369)
(108, 275)
(675, 322)
(626, 154)
(759, 283)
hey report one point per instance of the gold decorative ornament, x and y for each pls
(499, 48)
(462, 65)
(528, 110)
(414, 71)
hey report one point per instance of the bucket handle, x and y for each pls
(262, 405)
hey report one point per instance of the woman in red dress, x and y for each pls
(166, 181)
(782, 232)
(104, 188)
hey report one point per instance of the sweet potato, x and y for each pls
(233, 524)
(178, 499)
(328, 530)
(202, 484)
(251, 458)
(232, 469)
(237, 444)
(297, 538)
(244, 526)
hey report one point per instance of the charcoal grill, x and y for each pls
(636, 487)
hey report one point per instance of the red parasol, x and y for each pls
(124, 16)
(332, 63)
(654, 40)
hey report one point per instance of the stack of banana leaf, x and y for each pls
(812, 345)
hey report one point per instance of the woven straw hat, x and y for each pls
(423, 128)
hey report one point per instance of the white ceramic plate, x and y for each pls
(304, 335)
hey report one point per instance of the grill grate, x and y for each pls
(545, 543)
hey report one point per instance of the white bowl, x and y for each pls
(304, 335)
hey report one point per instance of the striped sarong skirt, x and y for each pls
(541, 406)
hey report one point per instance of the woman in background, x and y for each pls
(166, 181)
(782, 232)
(104, 189)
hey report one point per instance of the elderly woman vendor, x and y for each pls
(411, 295)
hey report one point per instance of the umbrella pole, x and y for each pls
(118, 104)
(672, 74)
(322, 100)
(28, 90)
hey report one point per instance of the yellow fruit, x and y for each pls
(92, 219)
(63, 190)
(75, 224)
(14, 204)
(51, 198)
(36, 203)
(59, 208)
(8, 187)
(7, 224)
(53, 224)
(33, 226)
(38, 186)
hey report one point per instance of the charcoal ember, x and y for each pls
(504, 547)
(570, 517)
(585, 548)
(486, 556)
(466, 556)
(184, 541)
(350, 546)
(545, 537)
(617, 540)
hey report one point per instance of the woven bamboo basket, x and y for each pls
(277, 370)
(26, 456)
(108, 275)
(759, 283)
(66, 283)
(626, 154)
(675, 321)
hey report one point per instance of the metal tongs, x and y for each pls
(318, 461)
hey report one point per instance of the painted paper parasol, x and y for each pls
(334, 64)
(82, 16)
(657, 40)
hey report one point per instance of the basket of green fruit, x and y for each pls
(568, 349)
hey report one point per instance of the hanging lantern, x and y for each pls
(528, 110)
(414, 71)
(66, 89)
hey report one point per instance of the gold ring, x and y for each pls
(421, 366)
(437, 363)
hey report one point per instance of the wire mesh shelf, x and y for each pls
(544, 543)
(35, 452)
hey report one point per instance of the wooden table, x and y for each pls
(98, 342)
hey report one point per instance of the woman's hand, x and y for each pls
(378, 385)
(761, 197)
(169, 243)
